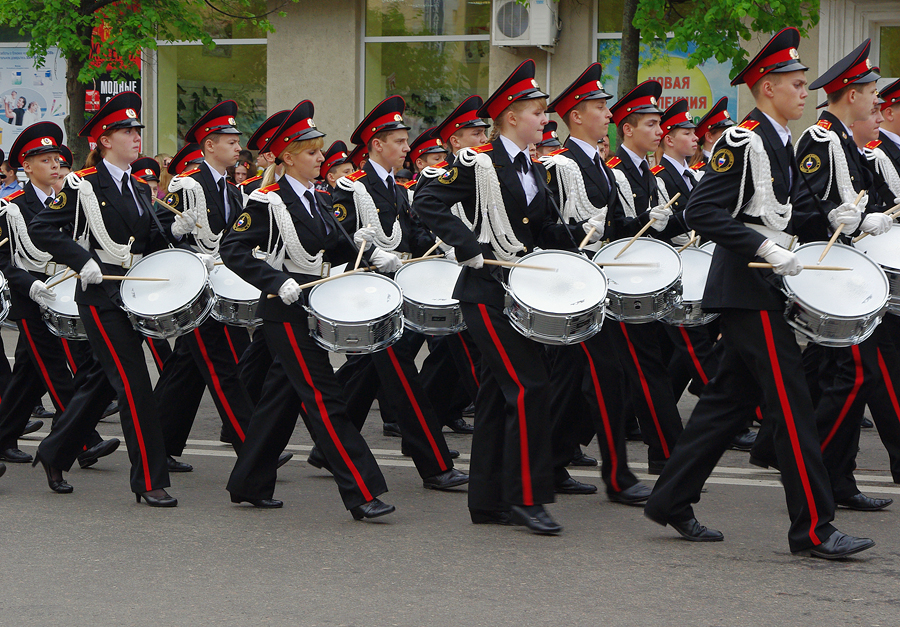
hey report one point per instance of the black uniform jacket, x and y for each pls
(534, 224)
(646, 196)
(880, 191)
(52, 230)
(252, 230)
(215, 204)
(250, 185)
(416, 239)
(731, 284)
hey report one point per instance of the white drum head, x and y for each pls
(65, 295)
(664, 271)
(355, 298)
(429, 282)
(858, 292)
(577, 284)
(227, 284)
(883, 249)
(709, 246)
(187, 277)
(695, 268)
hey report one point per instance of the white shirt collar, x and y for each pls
(216, 176)
(891, 136)
(634, 157)
(512, 149)
(298, 187)
(679, 167)
(40, 194)
(784, 133)
(115, 171)
(588, 149)
(707, 155)
(380, 171)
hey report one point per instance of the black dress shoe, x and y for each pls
(536, 518)
(452, 453)
(225, 437)
(862, 503)
(317, 460)
(580, 459)
(489, 517)
(634, 495)
(744, 440)
(837, 546)
(15, 456)
(40, 412)
(161, 499)
(59, 484)
(866, 423)
(571, 486)
(112, 408)
(391, 429)
(655, 467)
(283, 459)
(2, 469)
(458, 425)
(260, 503)
(469, 411)
(31, 426)
(695, 532)
(176, 466)
(93, 454)
(372, 509)
(446, 480)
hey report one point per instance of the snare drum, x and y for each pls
(885, 251)
(164, 309)
(709, 246)
(428, 303)
(695, 268)
(61, 314)
(642, 293)
(562, 307)
(235, 301)
(358, 313)
(836, 308)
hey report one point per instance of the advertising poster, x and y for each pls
(29, 94)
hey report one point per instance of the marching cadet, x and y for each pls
(368, 204)
(260, 138)
(761, 362)
(358, 156)
(65, 166)
(188, 157)
(549, 140)
(148, 169)
(588, 378)
(427, 150)
(301, 372)
(511, 471)
(709, 130)
(337, 164)
(113, 213)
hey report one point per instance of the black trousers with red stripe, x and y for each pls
(119, 369)
(511, 446)
(203, 358)
(5, 370)
(302, 373)
(588, 378)
(254, 364)
(651, 390)
(761, 362)
(884, 402)
(160, 350)
(442, 381)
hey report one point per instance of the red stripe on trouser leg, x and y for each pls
(889, 384)
(527, 496)
(791, 427)
(759, 415)
(857, 383)
(469, 357)
(218, 386)
(326, 419)
(646, 388)
(418, 410)
(156, 357)
(42, 366)
(69, 358)
(134, 415)
(604, 415)
(690, 347)
(230, 344)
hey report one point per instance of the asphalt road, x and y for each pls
(95, 557)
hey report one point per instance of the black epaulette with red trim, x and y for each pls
(613, 162)
(533, 160)
(86, 171)
(408, 184)
(657, 169)
(324, 191)
(824, 124)
(15, 194)
(271, 188)
(483, 148)
(442, 164)
(355, 176)
(255, 178)
(189, 172)
(872, 145)
(699, 165)
(748, 124)
(139, 179)
(558, 152)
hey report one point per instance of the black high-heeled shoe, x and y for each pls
(166, 500)
(57, 485)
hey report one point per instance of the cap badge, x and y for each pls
(653, 100)
(687, 116)
(553, 134)
(343, 155)
(726, 114)
(231, 121)
(534, 83)
(311, 123)
(439, 142)
(868, 64)
(599, 85)
(398, 117)
(46, 141)
(148, 172)
(793, 53)
(130, 113)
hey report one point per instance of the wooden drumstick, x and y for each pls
(838, 230)
(690, 241)
(587, 237)
(325, 280)
(362, 249)
(174, 210)
(513, 264)
(3, 241)
(430, 250)
(65, 277)
(422, 258)
(646, 227)
(759, 264)
(892, 213)
(627, 264)
(115, 277)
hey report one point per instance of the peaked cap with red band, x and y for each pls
(358, 155)
(335, 155)
(265, 131)
(189, 153)
(586, 87)
(65, 157)
(890, 94)
(778, 55)
(219, 119)
(427, 142)
(550, 138)
(386, 116)
(520, 85)
(37, 139)
(855, 68)
(717, 117)
(463, 116)
(146, 167)
(642, 99)
(676, 116)
(120, 111)
(296, 127)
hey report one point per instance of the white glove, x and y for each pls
(847, 214)
(783, 261)
(680, 240)
(594, 223)
(40, 293)
(450, 254)
(662, 214)
(385, 262)
(364, 236)
(476, 262)
(184, 224)
(209, 260)
(876, 224)
(90, 274)
(289, 292)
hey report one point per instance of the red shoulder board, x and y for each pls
(355, 176)
(533, 160)
(408, 184)
(139, 179)
(872, 145)
(613, 162)
(15, 194)
(255, 178)
(558, 152)
(442, 164)
(483, 148)
(749, 124)
(189, 172)
(271, 188)
(324, 191)
(824, 124)
(699, 165)
(657, 169)
(86, 171)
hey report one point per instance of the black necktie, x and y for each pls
(320, 223)
(223, 193)
(689, 180)
(47, 201)
(521, 162)
(789, 152)
(600, 169)
(128, 197)
(392, 190)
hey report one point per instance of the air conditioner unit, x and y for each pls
(535, 23)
